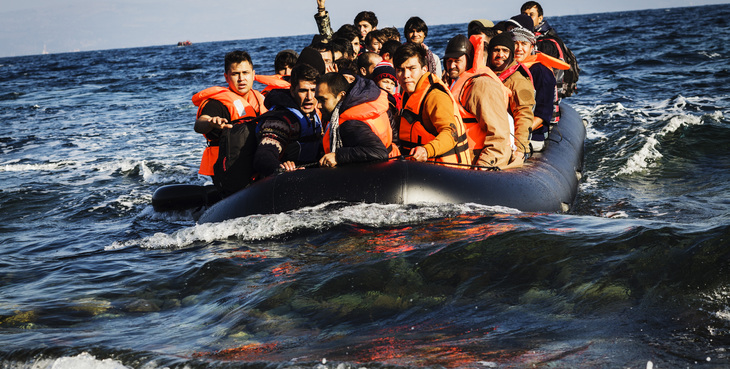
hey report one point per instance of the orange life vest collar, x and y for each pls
(514, 68)
(545, 60)
(272, 82)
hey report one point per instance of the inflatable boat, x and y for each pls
(548, 182)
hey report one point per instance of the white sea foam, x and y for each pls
(710, 55)
(166, 174)
(125, 201)
(594, 134)
(39, 167)
(83, 360)
(320, 217)
(650, 151)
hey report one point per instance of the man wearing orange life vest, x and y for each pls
(516, 77)
(219, 106)
(430, 125)
(283, 64)
(482, 101)
(358, 128)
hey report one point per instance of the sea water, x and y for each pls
(636, 275)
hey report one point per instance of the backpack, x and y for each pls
(567, 80)
(236, 148)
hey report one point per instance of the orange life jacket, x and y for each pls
(272, 82)
(545, 60)
(238, 107)
(375, 115)
(413, 133)
(514, 68)
(461, 89)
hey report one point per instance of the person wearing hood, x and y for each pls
(291, 132)
(384, 77)
(543, 80)
(358, 129)
(517, 78)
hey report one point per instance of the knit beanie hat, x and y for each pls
(313, 58)
(502, 39)
(522, 21)
(384, 71)
(521, 34)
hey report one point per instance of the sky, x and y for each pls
(30, 27)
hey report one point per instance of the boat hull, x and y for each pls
(548, 182)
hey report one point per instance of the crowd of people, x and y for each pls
(362, 94)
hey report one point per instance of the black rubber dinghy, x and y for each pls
(548, 182)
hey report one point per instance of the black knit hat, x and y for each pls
(522, 21)
(503, 39)
(313, 58)
(384, 70)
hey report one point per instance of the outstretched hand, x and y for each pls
(320, 3)
(220, 123)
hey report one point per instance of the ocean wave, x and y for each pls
(37, 167)
(83, 360)
(151, 172)
(126, 201)
(650, 152)
(320, 217)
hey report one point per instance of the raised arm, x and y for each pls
(323, 20)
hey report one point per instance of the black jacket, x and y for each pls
(359, 142)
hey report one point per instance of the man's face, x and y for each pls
(455, 66)
(364, 27)
(285, 72)
(409, 73)
(374, 60)
(240, 77)
(356, 45)
(327, 100)
(328, 59)
(375, 45)
(522, 50)
(498, 57)
(416, 37)
(532, 12)
(304, 94)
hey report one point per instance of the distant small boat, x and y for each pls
(184, 43)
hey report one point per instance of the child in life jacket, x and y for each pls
(384, 76)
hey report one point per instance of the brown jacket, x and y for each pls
(520, 106)
(483, 97)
